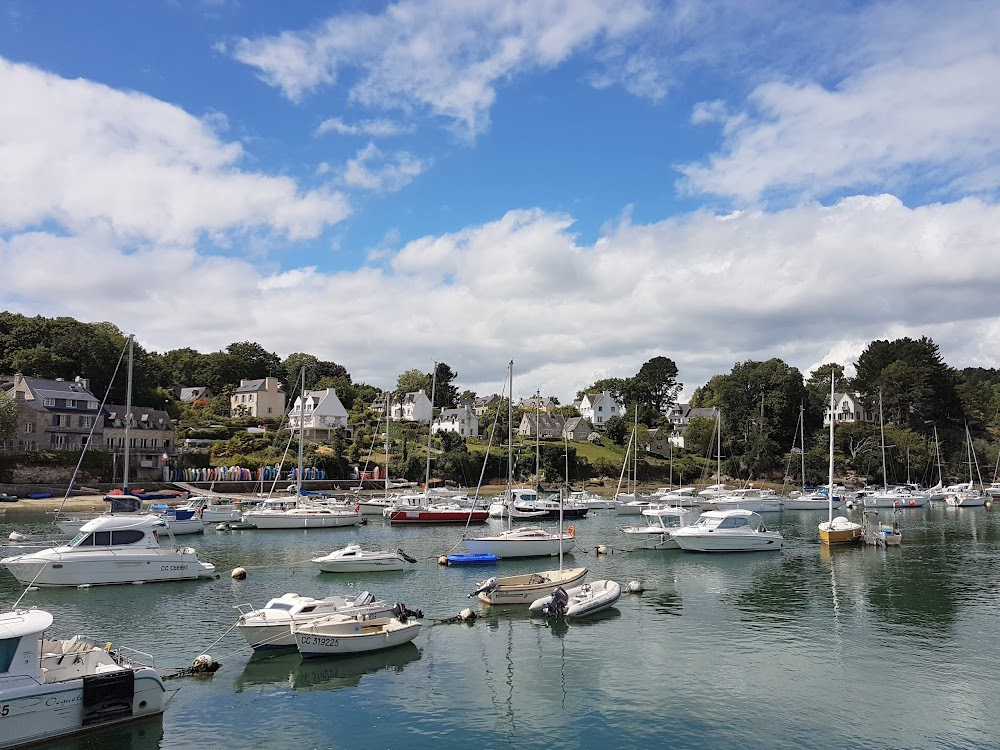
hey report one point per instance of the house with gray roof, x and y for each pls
(197, 393)
(549, 426)
(151, 435)
(53, 414)
(258, 398)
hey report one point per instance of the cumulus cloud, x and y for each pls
(440, 57)
(803, 284)
(370, 169)
(371, 128)
(917, 101)
(78, 153)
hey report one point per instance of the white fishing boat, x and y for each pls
(660, 524)
(278, 513)
(270, 628)
(354, 559)
(341, 635)
(180, 520)
(728, 531)
(579, 601)
(110, 550)
(839, 530)
(52, 688)
(523, 541)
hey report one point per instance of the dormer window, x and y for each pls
(48, 402)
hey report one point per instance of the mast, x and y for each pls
(510, 445)
(387, 399)
(128, 412)
(718, 444)
(538, 450)
(802, 434)
(937, 450)
(302, 433)
(635, 454)
(881, 429)
(830, 490)
(430, 422)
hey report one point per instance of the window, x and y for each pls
(166, 443)
(48, 402)
(70, 403)
(91, 404)
(8, 647)
(86, 421)
(600, 408)
(58, 420)
(127, 536)
(101, 538)
(250, 397)
(30, 427)
(58, 440)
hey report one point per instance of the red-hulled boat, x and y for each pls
(444, 513)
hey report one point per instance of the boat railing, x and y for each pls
(123, 656)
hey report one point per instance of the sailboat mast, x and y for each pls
(302, 432)
(830, 490)
(510, 446)
(937, 450)
(430, 422)
(881, 429)
(635, 454)
(538, 450)
(387, 399)
(802, 434)
(128, 412)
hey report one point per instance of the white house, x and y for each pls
(257, 398)
(322, 415)
(598, 408)
(848, 408)
(680, 415)
(462, 421)
(412, 407)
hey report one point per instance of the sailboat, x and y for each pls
(896, 497)
(528, 587)
(839, 530)
(973, 496)
(631, 503)
(524, 541)
(812, 500)
(291, 514)
(937, 492)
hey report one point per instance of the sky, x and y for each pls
(574, 185)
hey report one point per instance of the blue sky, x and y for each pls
(578, 186)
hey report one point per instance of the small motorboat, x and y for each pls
(481, 558)
(339, 635)
(579, 601)
(354, 559)
(52, 688)
(269, 628)
(736, 530)
(526, 587)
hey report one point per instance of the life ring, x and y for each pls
(570, 530)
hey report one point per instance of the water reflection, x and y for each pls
(291, 670)
(136, 735)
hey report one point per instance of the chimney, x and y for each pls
(84, 382)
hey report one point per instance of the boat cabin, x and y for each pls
(729, 520)
(111, 531)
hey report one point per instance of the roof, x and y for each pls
(192, 394)
(143, 418)
(127, 521)
(252, 386)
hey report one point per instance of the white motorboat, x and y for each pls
(660, 524)
(270, 627)
(898, 497)
(683, 497)
(579, 601)
(283, 513)
(341, 635)
(354, 559)
(812, 501)
(213, 508)
(109, 550)
(180, 520)
(51, 688)
(714, 491)
(631, 504)
(524, 541)
(585, 499)
(735, 530)
(758, 501)
(525, 588)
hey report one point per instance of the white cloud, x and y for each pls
(370, 128)
(80, 154)
(443, 57)
(370, 169)
(917, 101)
(804, 284)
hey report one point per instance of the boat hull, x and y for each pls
(318, 521)
(735, 543)
(366, 565)
(524, 589)
(33, 712)
(71, 570)
(439, 516)
(508, 548)
(840, 536)
(314, 642)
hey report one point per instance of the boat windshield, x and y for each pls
(75, 541)
(709, 522)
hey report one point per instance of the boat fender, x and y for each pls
(570, 530)
(107, 647)
(443, 560)
(17, 537)
(634, 587)
(238, 574)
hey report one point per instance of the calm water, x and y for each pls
(806, 648)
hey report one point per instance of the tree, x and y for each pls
(412, 381)
(616, 429)
(699, 436)
(250, 361)
(921, 388)
(445, 394)
(656, 384)
(8, 416)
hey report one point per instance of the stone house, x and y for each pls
(150, 435)
(258, 398)
(577, 428)
(549, 426)
(53, 414)
(462, 421)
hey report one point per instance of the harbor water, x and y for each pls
(808, 647)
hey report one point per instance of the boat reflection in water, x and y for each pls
(143, 734)
(290, 670)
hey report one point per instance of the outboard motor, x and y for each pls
(401, 613)
(559, 601)
(406, 556)
(488, 585)
(363, 599)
